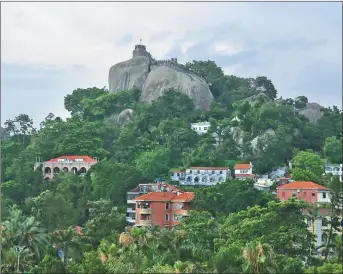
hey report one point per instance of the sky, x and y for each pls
(50, 49)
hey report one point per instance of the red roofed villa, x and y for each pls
(75, 164)
(244, 171)
(307, 191)
(164, 209)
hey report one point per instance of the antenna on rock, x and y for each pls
(140, 41)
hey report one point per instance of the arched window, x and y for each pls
(189, 179)
(83, 170)
(47, 170)
(56, 170)
(65, 169)
(74, 170)
(212, 180)
(204, 179)
(220, 179)
(196, 179)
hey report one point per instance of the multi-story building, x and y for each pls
(178, 175)
(206, 176)
(314, 194)
(164, 209)
(336, 170)
(75, 164)
(244, 171)
(142, 189)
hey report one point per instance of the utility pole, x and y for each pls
(19, 249)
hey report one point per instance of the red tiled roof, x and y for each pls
(156, 196)
(86, 159)
(209, 168)
(166, 196)
(302, 185)
(186, 197)
(242, 166)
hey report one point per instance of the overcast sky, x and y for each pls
(49, 49)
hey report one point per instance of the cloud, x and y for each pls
(73, 45)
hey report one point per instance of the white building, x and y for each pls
(263, 184)
(334, 169)
(178, 175)
(244, 171)
(201, 127)
(206, 176)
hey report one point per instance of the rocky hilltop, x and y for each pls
(154, 77)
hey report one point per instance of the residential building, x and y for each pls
(164, 209)
(142, 189)
(334, 169)
(75, 164)
(314, 194)
(244, 171)
(201, 127)
(206, 176)
(178, 175)
(263, 184)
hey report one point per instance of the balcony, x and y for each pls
(131, 201)
(145, 211)
(145, 222)
(130, 210)
(182, 212)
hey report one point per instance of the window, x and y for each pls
(198, 172)
(190, 171)
(313, 194)
(176, 218)
(221, 172)
(213, 172)
(178, 174)
(175, 205)
(167, 217)
(167, 205)
(324, 195)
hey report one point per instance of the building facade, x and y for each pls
(141, 190)
(244, 171)
(336, 170)
(74, 164)
(206, 176)
(178, 175)
(164, 209)
(316, 195)
(201, 127)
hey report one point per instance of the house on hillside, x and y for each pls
(244, 171)
(178, 175)
(335, 170)
(206, 176)
(263, 184)
(74, 164)
(201, 127)
(142, 189)
(316, 195)
(164, 209)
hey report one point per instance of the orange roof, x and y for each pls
(302, 185)
(156, 196)
(165, 197)
(86, 159)
(209, 168)
(242, 166)
(78, 230)
(186, 197)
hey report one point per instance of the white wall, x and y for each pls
(320, 198)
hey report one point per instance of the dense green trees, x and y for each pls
(234, 227)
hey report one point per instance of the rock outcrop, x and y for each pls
(124, 116)
(154, 78)
(312, 112)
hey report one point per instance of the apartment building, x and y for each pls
(75, 164)
(164, 209)
(314, 194)
(142, 189)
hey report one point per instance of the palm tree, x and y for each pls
(258, 258)
(26, 232)
(65, 239)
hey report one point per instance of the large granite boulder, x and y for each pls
(154, 78)
(164, 78)
(312, 112)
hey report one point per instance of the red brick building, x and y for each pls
(307, 191)
(164, 209)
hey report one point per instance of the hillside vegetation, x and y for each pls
(235, 228)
